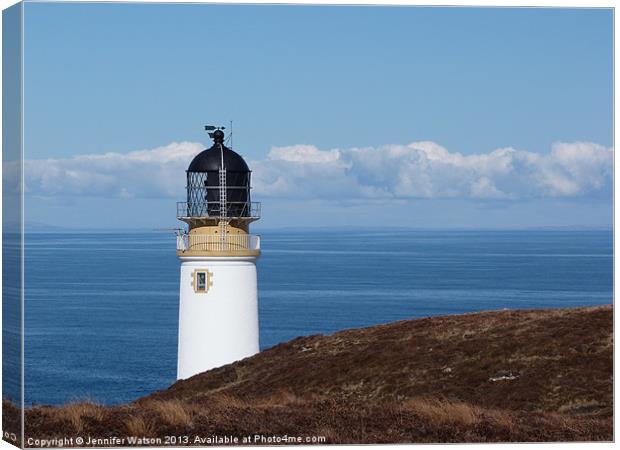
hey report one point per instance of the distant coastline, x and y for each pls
(46, 228)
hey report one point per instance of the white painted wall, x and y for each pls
(220, 326)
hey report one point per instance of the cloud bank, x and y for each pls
(155, 173)
(418, 170)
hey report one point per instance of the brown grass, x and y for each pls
(76, 413)
(443, 412)
(140, 427)
(172, 412)
(501, 420)
(226, 401)
(282, 397)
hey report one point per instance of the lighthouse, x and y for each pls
(218, 305)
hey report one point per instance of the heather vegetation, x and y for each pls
(536, 375)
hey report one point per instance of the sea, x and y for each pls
(101, 309)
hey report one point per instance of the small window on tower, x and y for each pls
(201, 281)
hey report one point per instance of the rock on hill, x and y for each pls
(531, 375)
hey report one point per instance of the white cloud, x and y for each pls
(304, 154)
(484, 188)
(159, 172)
(428, 170)
(390, 172)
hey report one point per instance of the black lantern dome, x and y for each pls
(211, 160)
(216, 172)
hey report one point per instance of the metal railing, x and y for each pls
(246, 210)
(215, 243)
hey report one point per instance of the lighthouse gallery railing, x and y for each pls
(250, 210)
(214, 242)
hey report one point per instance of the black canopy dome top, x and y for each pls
(211, 160)
(203, 181)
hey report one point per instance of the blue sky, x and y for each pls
(430, 93)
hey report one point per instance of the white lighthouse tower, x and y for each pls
(218, 310)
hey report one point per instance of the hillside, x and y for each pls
(531, 375)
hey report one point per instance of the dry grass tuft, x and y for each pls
(501, 420)
(444, 412)
(139, 427)
(226, 401)
(281, 398)
(579, 407)
(75, 413)
(172, 412)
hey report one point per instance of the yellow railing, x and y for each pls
(215, 243)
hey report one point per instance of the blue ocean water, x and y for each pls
(101, 310)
